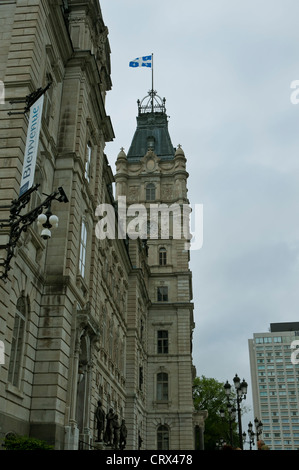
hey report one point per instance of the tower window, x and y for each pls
(162, 342)
(162, 256)
(151, 143)
(150, 192)
(162, 294)
(162, 386)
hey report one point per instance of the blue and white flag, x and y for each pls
(145, 61)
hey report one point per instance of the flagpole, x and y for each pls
(153, 72)
(152, 82)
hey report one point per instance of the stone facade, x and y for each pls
(80, 320)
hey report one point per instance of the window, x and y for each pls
(15, 363)
(151, 143)
(162, 257)
(87, 161)
(162, 386)
(140, 377)
(48, 98)
(265, 339)
(277, 339)
(162, 294)
(163, 438)
(150, 192)
(152, 229)
(82, 254)
(162, 342)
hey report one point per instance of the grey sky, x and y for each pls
(225, 68)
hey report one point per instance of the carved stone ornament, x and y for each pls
(133, 195)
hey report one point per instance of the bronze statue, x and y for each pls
(100, 417)
(116, 431)
(123, 435)
(108, 438)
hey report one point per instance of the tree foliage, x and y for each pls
(209, 394)
(14, 442)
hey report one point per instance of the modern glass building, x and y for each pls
(274, 367)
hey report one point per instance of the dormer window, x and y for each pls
(151, 143)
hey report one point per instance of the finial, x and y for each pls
(121, 153)
(179, 151)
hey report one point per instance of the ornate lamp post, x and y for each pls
(251, 434)
(220, 444)
(241, 391)
(258, 428)
(232, 416)
(18, 222)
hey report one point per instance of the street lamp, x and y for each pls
(251, 436)
(17, 223)
(258, 428)
(45, 222)
(220, 444)
(241, 392)
(232, 416)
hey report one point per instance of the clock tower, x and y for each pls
(153, 175)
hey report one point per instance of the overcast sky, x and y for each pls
(225, 68)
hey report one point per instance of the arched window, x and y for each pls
(162, 256)
(163, 438)
(16, 354)
(150, 192)
(162, 386)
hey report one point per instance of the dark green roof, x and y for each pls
(152, 131)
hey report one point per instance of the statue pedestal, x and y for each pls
(99, 445)
(109, 447)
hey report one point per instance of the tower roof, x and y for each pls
(152, 130)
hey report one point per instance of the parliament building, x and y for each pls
(88, 319)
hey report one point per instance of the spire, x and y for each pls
(152, 129)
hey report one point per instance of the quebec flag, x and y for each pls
(145, 61)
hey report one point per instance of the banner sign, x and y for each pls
(31, 145)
